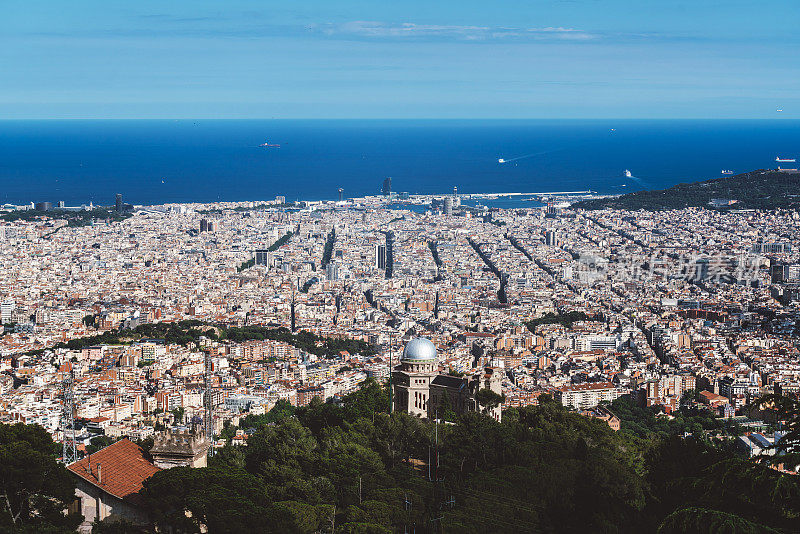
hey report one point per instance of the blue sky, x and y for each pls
(396, 59)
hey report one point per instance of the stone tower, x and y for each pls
(174, 448)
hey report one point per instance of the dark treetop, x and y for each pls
(761, 189)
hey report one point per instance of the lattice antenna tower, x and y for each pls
(208, 420)
(69, 453)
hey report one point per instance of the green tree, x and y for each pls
(488, 399)
(367, 401)
(284, 456)
(36, 490)
(349, 466)
(279, 412)
(319, 415)
(146, 444)
(191, 500)
(542, 469)
(287, 443)
(683, 473)
(303, 518)
(703, 521)
(178, 414)
(228, 457)
(371, 514)
(399, 437)
(444, 409)
(689, 397)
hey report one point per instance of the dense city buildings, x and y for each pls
(220, 314)
(584, 306)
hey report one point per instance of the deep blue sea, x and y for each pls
(159, 161)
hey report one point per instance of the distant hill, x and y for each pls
(763, 189)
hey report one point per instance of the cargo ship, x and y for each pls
(267, 144)
(785, 160)
(726, 171)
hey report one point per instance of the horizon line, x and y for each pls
(10, 119)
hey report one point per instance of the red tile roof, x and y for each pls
(124, 466)
(99, 419)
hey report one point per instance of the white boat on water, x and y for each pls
(628, 174)
(785, 160)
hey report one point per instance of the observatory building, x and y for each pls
(412, 378)
(419, 388)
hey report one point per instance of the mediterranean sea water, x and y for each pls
(161, 161)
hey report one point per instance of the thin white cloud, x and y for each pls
(361, 29)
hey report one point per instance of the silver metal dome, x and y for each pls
(419, 349)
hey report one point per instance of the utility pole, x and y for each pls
(437, 521)
(429, 464)
(293, 319)
(436, 445)
(391, 373)
(69, 453)
(407, 506)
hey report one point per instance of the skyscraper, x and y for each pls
(340, 194)
(332, 271)
(386, 190)
(551, 238)
(119, 203)
(380, 257)
(448, 206)
(784, 272)
(263, 257)
(207, 225)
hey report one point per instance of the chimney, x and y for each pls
(99, 475)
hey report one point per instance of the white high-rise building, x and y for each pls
(332, 272)
(6, 309)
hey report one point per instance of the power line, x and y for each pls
(495, 516)
(511, 524)
(471, 492)
(514, 524)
